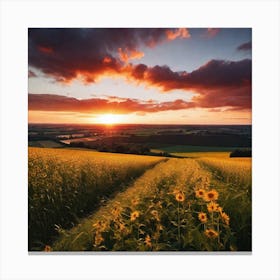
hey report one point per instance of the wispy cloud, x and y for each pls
(245, 47)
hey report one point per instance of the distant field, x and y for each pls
(76, 140)
(45, 144)
(190, 149)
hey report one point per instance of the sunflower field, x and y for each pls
(178, 205)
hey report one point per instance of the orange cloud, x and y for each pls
(212, 32)
(178, 33)
(51, 102)
(126, 55)
(107, 59)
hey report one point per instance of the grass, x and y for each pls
(65, 185)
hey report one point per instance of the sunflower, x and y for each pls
(199, 193)
(180, 196)
(211, 233)
(225, 218)
(47, 248)
(211, 195)
(220, 209)
(148, 241)
(212, 207)
(134, 215)
(202, 217)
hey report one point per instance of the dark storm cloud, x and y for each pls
(239, 98)
(66, 54)
(245, 47)
(217, 83)
(213, 74)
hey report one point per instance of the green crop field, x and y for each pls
(91, 201)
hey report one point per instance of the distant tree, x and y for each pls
(77, 144)
(120, 149)
(241, 153)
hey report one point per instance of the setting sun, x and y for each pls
(108, 119)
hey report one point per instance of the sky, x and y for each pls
(140, 75)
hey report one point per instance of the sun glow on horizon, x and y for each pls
(108, 119)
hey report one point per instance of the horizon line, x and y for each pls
(118, 124)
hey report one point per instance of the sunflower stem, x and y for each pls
(179, 225)
(218, 229)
